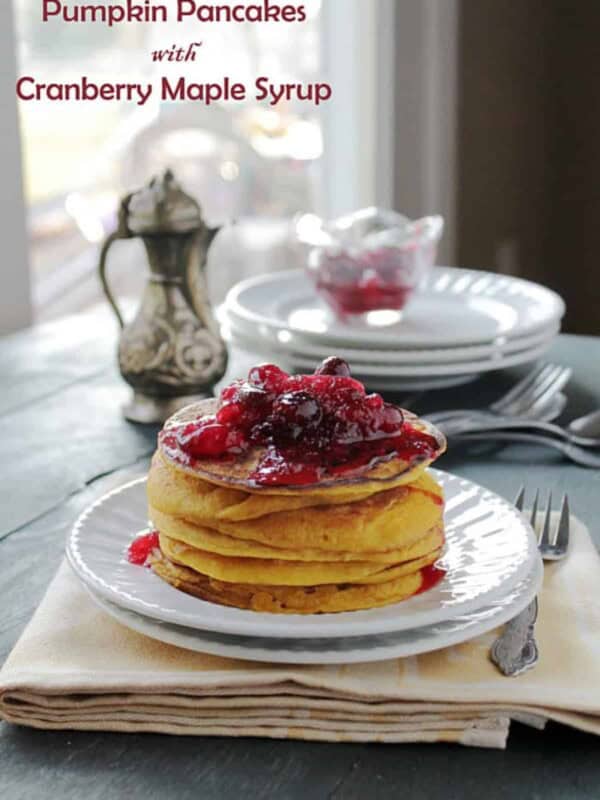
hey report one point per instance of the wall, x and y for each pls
(529, 145)
(573, 235)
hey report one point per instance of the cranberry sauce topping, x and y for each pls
(310, 425)
(140, 550)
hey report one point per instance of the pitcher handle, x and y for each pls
(102, 271)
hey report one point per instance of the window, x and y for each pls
(239, 160)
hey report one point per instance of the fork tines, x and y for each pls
(553, 544)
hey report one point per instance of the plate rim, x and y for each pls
(355, 656)
(433, 356)
(243, 621)
(442, 370)
(232, 303)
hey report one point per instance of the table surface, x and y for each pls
(63, 443)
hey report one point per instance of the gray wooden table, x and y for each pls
(63, 442)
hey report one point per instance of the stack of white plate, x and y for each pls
(492, 572)
(458, 325)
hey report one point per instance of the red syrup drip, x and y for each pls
(140, 550)
(430, 577)
(309, 426)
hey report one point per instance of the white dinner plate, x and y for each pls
(375, 383)
(433, 370)
(346, 650)
(400, 370)
(288, 343)
(489, 548)
(453, 307)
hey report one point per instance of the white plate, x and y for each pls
(453, 307)
(344, 650)
(468, 370)
(286, 342)
(433, 370)
(489, 549)
(376, 383)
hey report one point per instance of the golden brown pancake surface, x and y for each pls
(289, 599)
(382, 521)
(204, 538)
(179, 492)
(233, 569)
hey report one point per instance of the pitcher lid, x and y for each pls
(163, 207)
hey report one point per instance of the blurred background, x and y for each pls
(485, 112)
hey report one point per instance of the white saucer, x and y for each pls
(294, 344)
(489, 549)
(346, 650)
(360, 368)
(454, 307)
(374, 383)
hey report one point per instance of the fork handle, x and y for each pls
(585, 458)
(515, 651)
(508, 424)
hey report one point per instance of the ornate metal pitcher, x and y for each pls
(171, 353)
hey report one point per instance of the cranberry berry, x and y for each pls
(392, 419)
(334, 366)
(268, 377)
(208, 438)
(296, 411)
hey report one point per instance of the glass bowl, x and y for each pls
(368, 262)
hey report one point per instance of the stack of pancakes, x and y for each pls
(346, 543)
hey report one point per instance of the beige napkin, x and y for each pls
(75, 667)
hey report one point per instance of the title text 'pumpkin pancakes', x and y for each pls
(295, 494)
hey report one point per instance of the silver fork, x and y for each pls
(534, 392)
(515, 651)
(531, 397)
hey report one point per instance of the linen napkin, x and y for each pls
(76, 668)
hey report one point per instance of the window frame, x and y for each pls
(15, 278)
(358, 58)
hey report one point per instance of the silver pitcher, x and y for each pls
(171, 353)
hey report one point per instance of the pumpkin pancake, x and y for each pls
(235, 569)
(174, 491)
(212, 541)
(407, 568)
(286, 599)
(382, 521)
(237, 472)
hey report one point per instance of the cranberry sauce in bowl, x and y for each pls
(371, 260)
(308, 427)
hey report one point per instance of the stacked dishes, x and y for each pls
(297, 520)
(458, 325)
